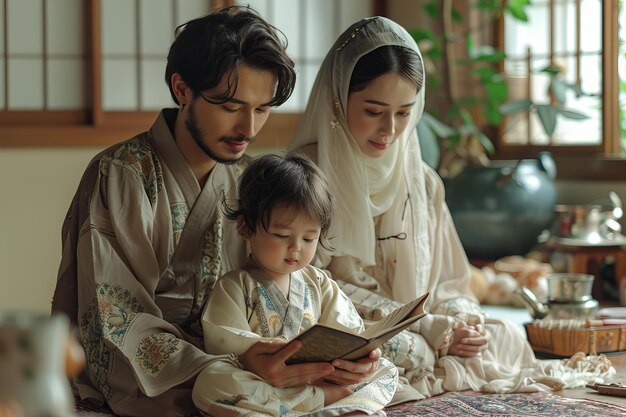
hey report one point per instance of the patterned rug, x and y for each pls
(470, 403)
(537, 404)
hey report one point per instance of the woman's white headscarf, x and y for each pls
(366, 187)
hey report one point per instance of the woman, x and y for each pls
(394, 238)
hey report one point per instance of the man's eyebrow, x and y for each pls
(245, 103)
(381, 103)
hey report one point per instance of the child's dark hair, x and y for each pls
(292, 182)
(211, 47)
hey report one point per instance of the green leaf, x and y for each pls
(456, 16)
(558, 88)
(515, 106)
(497, 92)
(576, 89)
(422, 34)
(453, 141)
(493, 115)
(485, 142)
(485, 73)
(428, 144)
(469, 42)
(551, 70)
(573, 114)
(517, 9)
(437, 127)
(432, 9)
(485, 53)
(490, 5)
(547, 116)
(467, 117)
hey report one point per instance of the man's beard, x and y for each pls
(192, 127)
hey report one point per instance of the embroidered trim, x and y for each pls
(155, 351)
(139, 157)
(109, 316)
(352, 35)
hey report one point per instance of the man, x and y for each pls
(144, 239)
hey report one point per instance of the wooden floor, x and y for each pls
(619, 363)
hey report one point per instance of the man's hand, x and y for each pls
(469, 341)
(354, 372)
(267, 360)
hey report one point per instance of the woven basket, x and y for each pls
(568, 341)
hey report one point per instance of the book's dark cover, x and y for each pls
(322, 343)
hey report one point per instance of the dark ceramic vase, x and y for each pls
(501, 209)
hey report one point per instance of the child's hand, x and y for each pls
(267, 360)
(469, 341)
(353, 372)
(332, 392)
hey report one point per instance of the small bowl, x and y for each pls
(569, 287)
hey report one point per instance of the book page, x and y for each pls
(411, 309)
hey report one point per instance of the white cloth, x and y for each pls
(245, 307)
(377, 274)
(387, 179)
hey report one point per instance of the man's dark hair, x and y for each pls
(292, 183)
(208, 48)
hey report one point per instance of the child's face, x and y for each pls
(288, 245)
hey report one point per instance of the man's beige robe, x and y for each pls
(142, 249)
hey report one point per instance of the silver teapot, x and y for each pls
(569, 297)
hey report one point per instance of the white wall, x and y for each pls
(36, 188)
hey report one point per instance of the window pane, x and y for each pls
(521, 35)
(119, 84)
(311, 28)
(591, 26)
(66, 81)
(2, 87)
(289, 20)
(2, 26)
(155, 26)
(155, 94)
(118, 27)
(622, 77)
(66, 27)
(189, 9)
(24, 26)
(536, 34)
(262, 7)
(25, 84)
(352, 10)
(320, 14)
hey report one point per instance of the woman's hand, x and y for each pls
(267, 360)
(469, 341)
(353, 372)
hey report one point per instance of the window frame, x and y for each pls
(95, 127)
(593, 162)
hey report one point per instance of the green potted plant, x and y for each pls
(499, 208)
(456, 125)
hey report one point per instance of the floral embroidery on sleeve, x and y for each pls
(109, 316)
(155, 351)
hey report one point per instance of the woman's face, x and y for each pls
(378, 114)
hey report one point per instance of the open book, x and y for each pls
(322, 343)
